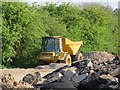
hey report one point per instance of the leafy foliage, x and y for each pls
(24, 25)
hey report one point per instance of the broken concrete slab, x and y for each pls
(79, 78)
(62, 84)
(58, 75)
(109, 77)
(69, 74)
(55, 76)
(115, 72)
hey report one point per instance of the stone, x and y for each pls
(109, 77)
(90, 65)
(69, 73)
(58, 75)
(32, 78)
(91, 71)
(79, 78)
(115, 72)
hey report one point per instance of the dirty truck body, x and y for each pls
(59, 49)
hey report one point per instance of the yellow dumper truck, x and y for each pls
(59, 49)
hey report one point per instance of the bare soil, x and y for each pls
(18, 74)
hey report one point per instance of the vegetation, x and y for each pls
(23, 25)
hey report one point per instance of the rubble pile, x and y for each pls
(8, 81)
(97, 71)
(101, 56)
(90, 73)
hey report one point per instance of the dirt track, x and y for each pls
(19, 73)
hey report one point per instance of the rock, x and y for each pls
(109, 77)
(73, 69)
(3, 86)
(115, 72)
(91, 71)
(91, 85)
(32, 78)
(90, 65)
(116, 61)
(79, 78)
(91, 77)
(8, 83)
(84, 70)
(81, 64)
(111, 85)
(69, 73)
(58, 75)
(64, 83)
(50, 75)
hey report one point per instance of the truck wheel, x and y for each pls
(68, 60)
(78, 56)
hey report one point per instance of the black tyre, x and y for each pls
(68, 60)
(78, 56)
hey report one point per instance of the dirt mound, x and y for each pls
(98, 72)
(7, 81)
(101, 56)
